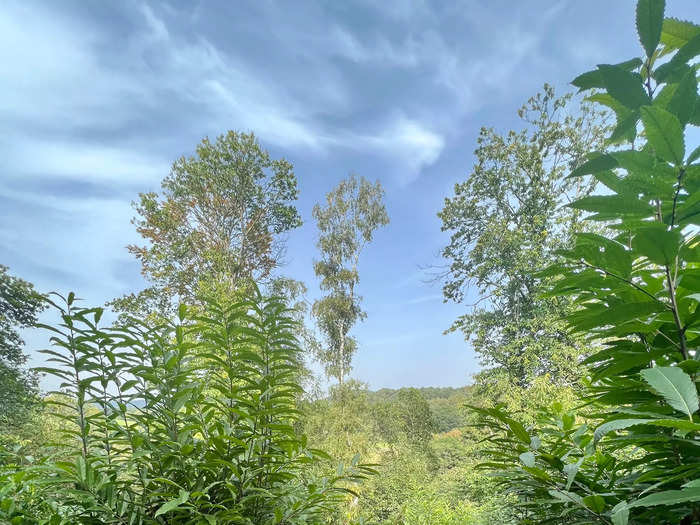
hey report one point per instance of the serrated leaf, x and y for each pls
(664, 134)
(617, 424)
(650, 17)
(682, 104)
(668, 497)
(597, 162)
(624, 86)
(593, 79)
(679, 60)
(676, 387)
(614, 205)
(676, 33)
(657, 243)
(625, 129)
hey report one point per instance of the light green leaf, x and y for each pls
(676, 33)
(528, 459)
(650, 17)
(570, 469)
(675, 386)
(171, 505)
(679, 60)
(620, 514)
(664, 134)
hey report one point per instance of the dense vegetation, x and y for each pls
(195, 404)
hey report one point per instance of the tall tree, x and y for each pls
(19, 306)
(217, 223)
(507, 220)
(352, 212)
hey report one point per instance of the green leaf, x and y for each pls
(650, 17)
(625, 129)
(624, 86)
(528, 459)
(668, 497)
(695, 155)
(614, 205)
(519, 430)
(676, 33)
(620, 514)
(664, 134)
(594, 502)
(593, 79)
(171, 505)
(598, 162)
(682, 104)
(675, 386)
(617, 424)
(679, 60)
(570, 469)
(657, 243)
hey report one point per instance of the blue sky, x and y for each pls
(98, 98)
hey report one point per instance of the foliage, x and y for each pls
(216, 224)
(506, 219)
(353, 211)
(190, 422)
(631, 455)
(19, 306)
(408, 415)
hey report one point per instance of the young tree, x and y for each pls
(216, 224)
(507, 220)
(353, 211)
(19, 306)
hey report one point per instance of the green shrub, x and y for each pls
(189, 422)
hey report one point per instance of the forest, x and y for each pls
(220, 394)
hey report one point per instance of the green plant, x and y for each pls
(187, 422)
(632, 455)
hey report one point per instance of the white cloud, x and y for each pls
(408, 143)
(92, 163)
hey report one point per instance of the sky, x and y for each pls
(98, 98)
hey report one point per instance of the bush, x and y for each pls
(188, 422)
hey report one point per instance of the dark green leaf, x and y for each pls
(624, 86)
(650, 16)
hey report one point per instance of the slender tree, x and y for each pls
(352, 212)
(217, 223)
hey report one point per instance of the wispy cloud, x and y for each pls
(424, 299)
